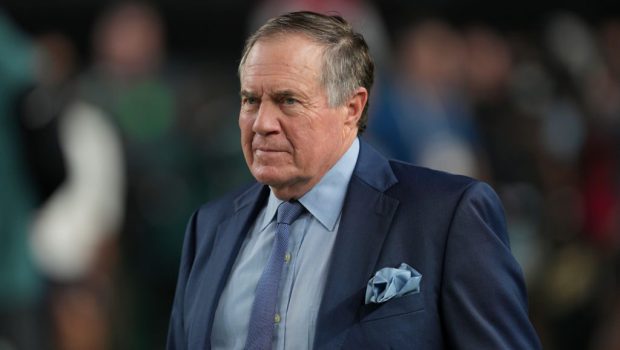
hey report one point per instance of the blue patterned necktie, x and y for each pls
(260, 330)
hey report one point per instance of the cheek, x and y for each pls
(325, 141)
(244, 121)
(245, 126)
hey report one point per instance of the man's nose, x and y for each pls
(266, 121)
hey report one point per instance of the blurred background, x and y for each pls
(117, 119)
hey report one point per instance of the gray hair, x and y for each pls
(347, 64)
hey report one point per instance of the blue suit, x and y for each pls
(449, 228)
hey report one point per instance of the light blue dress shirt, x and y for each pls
(303, 276)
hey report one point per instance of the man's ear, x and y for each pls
(355, 106)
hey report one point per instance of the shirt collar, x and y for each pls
(324, 201)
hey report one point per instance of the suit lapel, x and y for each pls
(228, 240)
(366, 217)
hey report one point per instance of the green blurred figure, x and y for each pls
(20, 284)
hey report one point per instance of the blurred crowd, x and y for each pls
(103, 161)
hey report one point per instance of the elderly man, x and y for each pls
(335, 247)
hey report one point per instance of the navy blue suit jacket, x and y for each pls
(449, 228)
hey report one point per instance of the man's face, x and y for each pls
(289, 134)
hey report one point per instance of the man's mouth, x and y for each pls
(263, 151)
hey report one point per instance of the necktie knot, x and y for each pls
(289, 211)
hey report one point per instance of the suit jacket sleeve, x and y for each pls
(176, 333)
(483, 296)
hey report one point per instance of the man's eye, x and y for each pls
(289, 101)
(249, 100)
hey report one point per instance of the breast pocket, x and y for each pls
(393, 307)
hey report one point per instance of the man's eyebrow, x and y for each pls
(245, 93)
(285, 94)
(279, 94)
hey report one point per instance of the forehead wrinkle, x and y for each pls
(269, 51)
(271, 68)
(279, 85)
(280, 69)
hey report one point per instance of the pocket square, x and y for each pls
(390, 282)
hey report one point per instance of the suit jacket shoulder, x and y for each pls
(220, 208)
(420, 180)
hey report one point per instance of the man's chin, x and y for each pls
(271, 177)
(277, 179)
